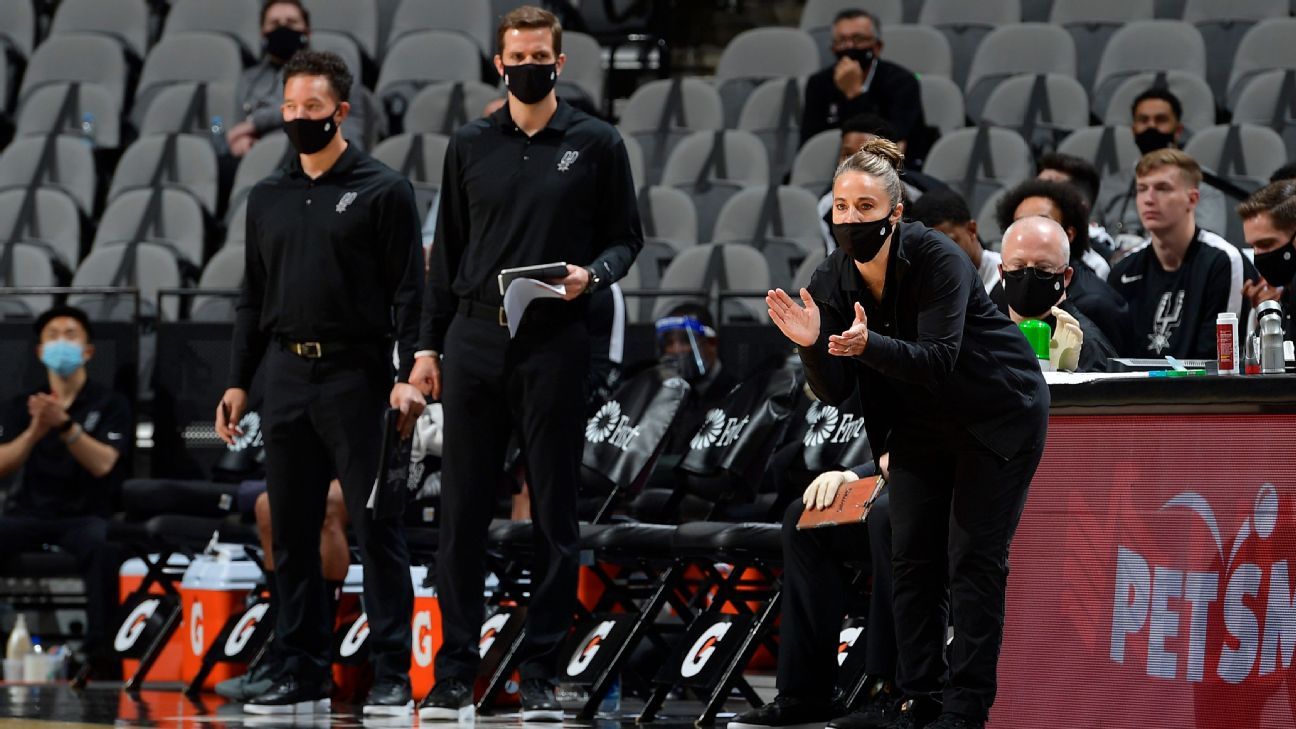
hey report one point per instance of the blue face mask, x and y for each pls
(62, 357)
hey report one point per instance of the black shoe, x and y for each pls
(290, 696)
(956, 721)
(251, 684)
(880, 707)
(913, 714)
(450, 700)
(389, 698)
(787, 712)
(538, 702)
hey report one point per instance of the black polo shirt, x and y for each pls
(508, 200)
(53, 484)
(334, 259)
(892, 92)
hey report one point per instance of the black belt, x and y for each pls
(485, 312)
(319, 350)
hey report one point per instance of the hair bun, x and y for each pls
(886, 149)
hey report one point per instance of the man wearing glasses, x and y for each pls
(861, 82)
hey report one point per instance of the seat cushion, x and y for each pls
(646, 540)
(508, 533)
(39, 563)
(755, 538)
(145, 497)
(698, 536)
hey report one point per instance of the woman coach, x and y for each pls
(954, 393)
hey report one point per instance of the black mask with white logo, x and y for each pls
(531, 82)
(1031, 292)
(862, 56)
(309, 136)
(862, 241)
(283, 42)
(1152, 139)
(1279, 265)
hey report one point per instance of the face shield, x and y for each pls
(678, 342)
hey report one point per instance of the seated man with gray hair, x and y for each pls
(1036, 272)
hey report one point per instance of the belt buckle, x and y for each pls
(503, 317)
(310, 350)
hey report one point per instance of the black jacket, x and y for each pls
(892, 94)
(1099, 301)
(939, 351)
(1096, 349)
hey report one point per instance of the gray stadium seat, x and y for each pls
(223, 271)
(942, 103)
(8, 69)
(635, 157)
(266, 156)
(77, 57)
(180, 161)
(419, 59)
(583, 74)
(357, 19)
(1036, 11)
(1092, 23)
(817, 18)
(343, 46)
(191, 108)
(93, 113)
(421, 159)
(1192, 90)
(27, 266)
(1112, 151)
(718, 267)
(18, 27)
(978, 162)
(366, 108)
(784, 227)
(1267, 46)
(54, 225)
(472, 20)
(923, 50)
(668, 214)
(1244, 154)
(60, 162)
(812, 261)
(236, 224)
(177, 223)
(912, 9)
(143, 266)
(238, 20)
(1011, 50)
(1147, 45)
(661, 113)
(442, 108)
(125, 21)
(1043, 108)
(773, 113)
(757, 55)
(817, 161)
(965, 24)
(1223, 25)
(988, 221)
(186, 57)
(1269, 99)
(1169, 9)
(712, 167)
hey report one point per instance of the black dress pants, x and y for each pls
(815, 601)
(320, 418)
(86, 538)
(492, 387)
(954, 508)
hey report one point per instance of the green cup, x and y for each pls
(1038, 334)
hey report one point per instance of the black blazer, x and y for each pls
(939, 351)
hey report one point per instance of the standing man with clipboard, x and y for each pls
(537, 182)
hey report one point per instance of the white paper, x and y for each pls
(1079, 378)
(521, 292)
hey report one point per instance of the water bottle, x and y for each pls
(87, 128)
(218, 127)
(20, 642)
(611, 705)
(1269, 322)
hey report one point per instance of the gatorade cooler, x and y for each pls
(213, 589)
(426, 629)
(129, 578)
(351, 674)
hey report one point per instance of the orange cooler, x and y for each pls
(213, 589)
(167, 667)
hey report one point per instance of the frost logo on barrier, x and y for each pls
(718, 430)
(1259, 609)
(830, 425)
(608, 424)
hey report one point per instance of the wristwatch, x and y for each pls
(594, 280)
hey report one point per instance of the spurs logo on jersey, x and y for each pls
(1169, 315)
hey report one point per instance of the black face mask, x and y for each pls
(1279, 265)
(862, 56)
(1152, 139)
(1031, 292)
(531, 82)
(283, 42)
(686, 365)
(862, 241)
(309, 136)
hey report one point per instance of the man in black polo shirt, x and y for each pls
(67, 438)
(537, 182)
(332, 274)
(861, 82)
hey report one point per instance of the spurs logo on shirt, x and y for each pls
(1169, 313)
(568, 158)
(346, 201)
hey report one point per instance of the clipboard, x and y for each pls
(387, 499)
(542, 272)
(852, 505)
